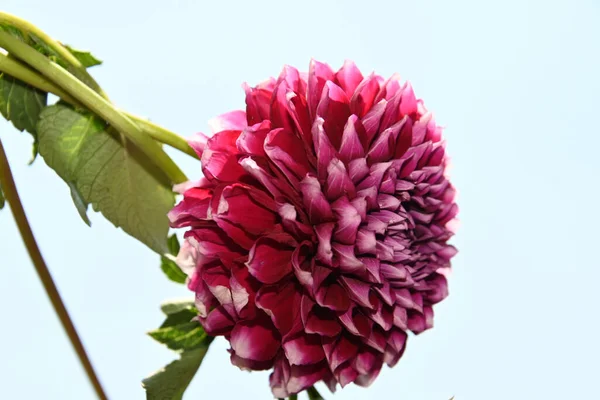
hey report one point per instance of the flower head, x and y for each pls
(318, 234)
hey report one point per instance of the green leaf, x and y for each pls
(170, 382)
(21, 104)
(107, 172)
(187, 337)
(80, 204)
(168, 264)
(85, 57)
(180, 331)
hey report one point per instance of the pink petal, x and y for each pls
(254, 341)
(343, 350)
(303, 264)
(252, 139)
(282, 304)
(315, 203)
(364, 95)
(324, 232)
(348, 221)
(305, 349)
(234, 120)
(286, 151)
(269, 260)
(408, 103)
(218, 322)
(318, 74)
(353, 140)
(384, 146)
(346, 258)
(338, 182)
(334, 297)
(334, 108)
(372, 120)
(323, 148)
(348, 77)
(258, 101)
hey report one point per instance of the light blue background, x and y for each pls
(515, 83)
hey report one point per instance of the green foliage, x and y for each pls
(85, 57)
(185, 336)
(21, 104)
(107, 172)
(167, 262)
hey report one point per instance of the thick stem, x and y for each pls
(94, 102)
(22, 72)
(12, 197)
(27, 27)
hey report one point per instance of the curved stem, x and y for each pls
(94, 102)
(64, 53)
(12, 197)
(22, 72)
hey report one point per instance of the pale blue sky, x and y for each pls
(515, 82)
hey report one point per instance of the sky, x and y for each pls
(516, 84)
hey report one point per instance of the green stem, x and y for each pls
(78, 69)
(22, 72)
(13, 199)
(293, 397)
(94, 102)
(313, 394)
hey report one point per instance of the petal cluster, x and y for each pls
(318, 233)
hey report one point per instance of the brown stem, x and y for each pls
(12, 197)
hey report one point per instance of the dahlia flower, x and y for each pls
(318, 233)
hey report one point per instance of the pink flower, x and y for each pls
(318, 234)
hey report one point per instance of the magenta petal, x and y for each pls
(315, 203)
(358, 169)
(384, 147)
(346, 258)
(252, 139)
(258, 101)
(254, 341)
(335, 110)
(322, 322)
(269, 260)
(352, 146)
(250, 365)
(334, 297)
(221, 166)
(303, 263)
(348, 221)
(348, 77)
(323, 148)
(364, 95)
(365, 241)
(340, 351)
(356, 323)
(318, 75)
(218, 322)
(346, 375)
(358, 290)
(324, 232)
(234, 120)
(368, 366)
(286, 151)
(305, 349)
(282, 304)
(408, 102)
(372, 120)
(338, 182)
